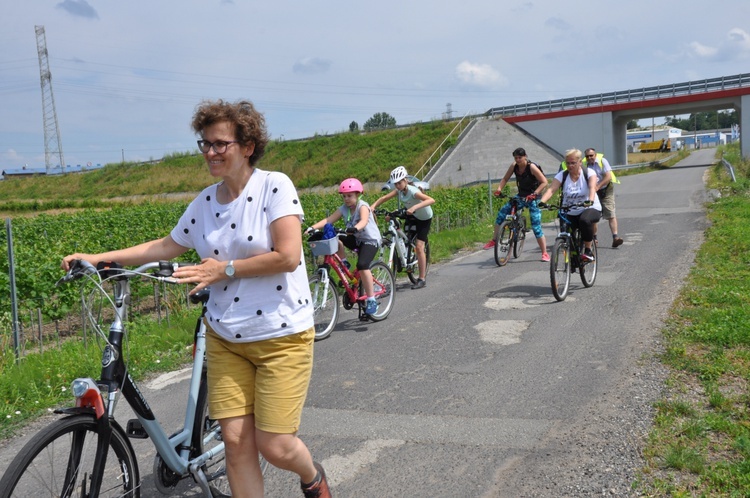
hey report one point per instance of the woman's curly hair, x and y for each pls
(249, 124)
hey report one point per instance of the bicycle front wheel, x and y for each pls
(520, 238)
(412, 266)
(559, 269)
(503, 244)
(384, 286)
(588, 270)
(325, 299)
(61, 460)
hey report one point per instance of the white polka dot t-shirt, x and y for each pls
(249, 309)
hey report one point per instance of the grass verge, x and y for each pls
(42, 381)
(700, 442)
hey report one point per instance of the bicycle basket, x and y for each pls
(324, 247)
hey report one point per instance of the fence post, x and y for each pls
(13, 294)
(39, 323)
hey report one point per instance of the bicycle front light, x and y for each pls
(88, 395)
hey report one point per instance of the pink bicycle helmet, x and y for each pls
(351, 185)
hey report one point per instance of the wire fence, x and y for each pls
(35, 334)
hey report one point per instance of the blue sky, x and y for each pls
(127, 76)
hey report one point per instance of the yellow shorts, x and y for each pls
(266, 378)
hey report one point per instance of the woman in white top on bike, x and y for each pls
(576, 188)
(418, 211)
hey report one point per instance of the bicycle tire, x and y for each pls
(43, 466)
(520, 238)
(426, 257)
(589, 270)
(559, 269)
(503, 243)
(206, 434)
(325, 306)
(384, 285)
(411, 252)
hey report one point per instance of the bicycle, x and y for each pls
(87, 453)
(512, 232)
(567, 255)
(325, 296)
(402, 248)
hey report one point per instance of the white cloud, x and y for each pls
(703, 51)
(480, 75)
(311, 65)
(78, 8)
(735, 46)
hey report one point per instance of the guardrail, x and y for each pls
(441, 149)
(729, 168)
(641, 94)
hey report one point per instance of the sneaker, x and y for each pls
(371, 306)
(616, 242)
(588, 255)
(319, 489)
(489, 245)
(545, 257)
(420, 283)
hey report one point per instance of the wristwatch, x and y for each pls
(229, 270)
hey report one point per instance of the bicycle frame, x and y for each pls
(174, 450)
(399, 242)
(349, 279)
(394, 229)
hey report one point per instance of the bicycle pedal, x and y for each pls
(135, 429)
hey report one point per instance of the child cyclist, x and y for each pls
(418, 212)
(531, 182)
(363, 234)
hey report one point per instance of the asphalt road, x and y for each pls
(481, 384)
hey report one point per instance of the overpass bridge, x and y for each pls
(600, 120)
(546, 129)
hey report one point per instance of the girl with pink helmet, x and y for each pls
(362, 231)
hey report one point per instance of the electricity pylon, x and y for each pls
(52, 143)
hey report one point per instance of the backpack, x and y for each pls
(536, 182)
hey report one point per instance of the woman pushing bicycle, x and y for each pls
(531, 182)
(246, 229)
(577, 188)
(418, 212)
(362, 231)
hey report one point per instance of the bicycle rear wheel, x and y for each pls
(60, 461)
(503, 244)
(588, 270)
(206, 435)
(412, 266)
(384, 285)
(325, 299)
(520, 238)
(559, 269)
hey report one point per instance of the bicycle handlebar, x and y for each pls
(398, 213)
(564, 209)
(80, 268)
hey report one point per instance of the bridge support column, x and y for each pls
(744, 126)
